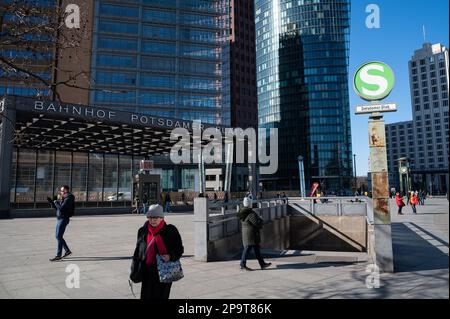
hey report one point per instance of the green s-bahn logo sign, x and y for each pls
(374, 81)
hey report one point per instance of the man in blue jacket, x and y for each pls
(65, 208)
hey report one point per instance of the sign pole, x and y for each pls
(380, 194)
(373, 82)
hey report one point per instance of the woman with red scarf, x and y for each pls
(157, 237)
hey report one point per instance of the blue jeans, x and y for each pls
(414, 209)
(257, 255)
(167, 209)
(61, 225)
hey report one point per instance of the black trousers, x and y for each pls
(151, 288)
(246, 251)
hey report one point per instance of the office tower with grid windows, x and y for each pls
(302, 55)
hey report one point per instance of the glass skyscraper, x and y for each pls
(163, 57)
(302, 78)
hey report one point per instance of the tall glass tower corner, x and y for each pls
(302, 57)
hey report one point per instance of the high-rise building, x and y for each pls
(302, 79)
(244, 102)
(427, 150)
(163, 57)
(429, 80)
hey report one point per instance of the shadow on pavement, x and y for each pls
(313, 266)
(96, 258)
(413, 253)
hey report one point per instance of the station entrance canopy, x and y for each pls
(51, 125)
(39, 124)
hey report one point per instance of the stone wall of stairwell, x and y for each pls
(274, 235)
(330, 233)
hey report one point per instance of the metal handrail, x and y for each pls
(221, 221)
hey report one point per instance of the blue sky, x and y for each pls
(394, 43)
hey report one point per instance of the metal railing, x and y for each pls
(224, 215)
(235, 206)
(315, 204)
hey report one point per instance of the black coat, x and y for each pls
(170, 236)
(65, 208)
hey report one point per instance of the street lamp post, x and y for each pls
(354, 173)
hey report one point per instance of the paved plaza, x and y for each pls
(102, 246)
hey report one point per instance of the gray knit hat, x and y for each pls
(155, 211)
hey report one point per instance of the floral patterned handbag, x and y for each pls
(169, 271)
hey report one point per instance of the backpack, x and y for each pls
(71, 210)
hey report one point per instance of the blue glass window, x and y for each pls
(151, 111)
(108, 78)
(159, 48)
(148, 80)
(188, 100)
(204, 5)
(161, 3)
(118, 27)
(158, 64)
(120, 11)
(198, 35)
(201, 67)
(155, 32)
(157, 98)
(117, 44)
(200, 51)
(199, 84)
(115, 97)
(159, 16)
(116, 61)
(198, 19)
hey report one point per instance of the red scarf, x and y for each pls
(151, 252)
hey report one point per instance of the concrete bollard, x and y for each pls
(201, 226)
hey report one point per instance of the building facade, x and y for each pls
(163, 57)
(400, 143)
(168, 58)
(302, 80)
(427, 147)
(429, 79)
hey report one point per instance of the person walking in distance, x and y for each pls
(167, 201)
(156, 237)
(65, 208)
(414, 202)
(399, 202)
(251, 238)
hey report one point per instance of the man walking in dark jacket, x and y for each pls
(251, 238)
(65, 208)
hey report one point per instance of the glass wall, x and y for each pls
(79, 175)
(125, 177)
(26, 173)
(188, 178)
(110, 182)
(167, 180)
(13, 177)
(62, 170)
(93, 178)
(44, 175)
